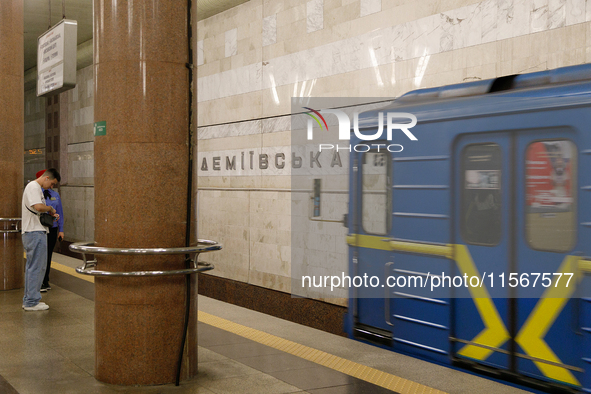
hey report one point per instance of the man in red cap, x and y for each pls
(34, 236)
(52, 199)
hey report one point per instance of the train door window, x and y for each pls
(550, 181)
(481, 169)
(376, 193)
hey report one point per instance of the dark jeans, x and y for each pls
(51, 241)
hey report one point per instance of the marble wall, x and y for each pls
(376, 48)
(77, 152)
(78, 166)
(254, 58)
(34, 118)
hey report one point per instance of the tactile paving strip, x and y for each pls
(348, 367)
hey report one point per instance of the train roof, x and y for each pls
(513, 93)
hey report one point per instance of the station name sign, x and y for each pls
(56, 58)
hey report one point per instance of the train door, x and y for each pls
(483, 234)
(372, 220)
(548, 339)
(516, 227)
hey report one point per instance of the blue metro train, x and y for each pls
(491, 206)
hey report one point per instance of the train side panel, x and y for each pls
(505, 193)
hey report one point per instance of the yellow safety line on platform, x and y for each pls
(348, 367)
(71, 271)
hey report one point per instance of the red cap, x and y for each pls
(39, 173)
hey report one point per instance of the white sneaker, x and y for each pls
(42, 306)
(40, 303)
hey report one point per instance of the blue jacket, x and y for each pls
(55, 201)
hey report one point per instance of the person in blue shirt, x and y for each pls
(52, 199)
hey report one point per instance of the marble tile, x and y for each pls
(232, 82)
(272, 71)
(521, 17)
(82, 166)
(467, 26)
(447, 22)
(270, 30)
(89, 213)
(401, 37)
(489, 11)
(74, 93)
(556, 13)
(368, 7)
(35, 134)
(539, 17)
(314, 15)
(271, 7)
(428, 39)
(230, 130)
(575, 12)
(316, 65)
(272, 125)
(231, 42)
(83, 116)
(505, 18)
(89, 88)
(200, 56)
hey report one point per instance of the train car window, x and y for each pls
(376, 197)
(550, 184)
(480, 220)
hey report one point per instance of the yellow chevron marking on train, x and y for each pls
(495, 333)
(531, 335)
(381, 243)
(585, 265)
(368, 241)
(413, 247)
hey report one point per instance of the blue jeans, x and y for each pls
(35, 244)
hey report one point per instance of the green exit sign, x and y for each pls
(100, 128)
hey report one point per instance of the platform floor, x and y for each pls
(240, 351)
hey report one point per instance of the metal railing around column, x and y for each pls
(16, 224)
(203, 246)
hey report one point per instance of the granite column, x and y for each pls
(11, 141)
(141, 153)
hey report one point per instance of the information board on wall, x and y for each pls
(56, 58)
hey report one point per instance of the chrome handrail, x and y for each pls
(203, 246)
(16, 225)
